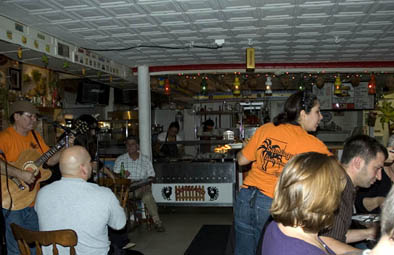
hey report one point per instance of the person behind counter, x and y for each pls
(369, 200)
(207, 132)
(170, 150)
(306, 196)
(269, 149)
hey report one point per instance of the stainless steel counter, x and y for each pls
(195, 183)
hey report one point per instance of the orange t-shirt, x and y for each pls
(12, 143)
(271, 147)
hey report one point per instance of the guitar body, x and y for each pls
(22, 198)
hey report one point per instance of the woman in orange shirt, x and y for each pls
(268, 150)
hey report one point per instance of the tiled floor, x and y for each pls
(182, 224)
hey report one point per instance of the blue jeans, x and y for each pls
(26, 218)
(251, 212)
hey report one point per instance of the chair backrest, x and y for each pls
(121, 188)
(24, 237)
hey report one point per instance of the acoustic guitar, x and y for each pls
(19, 194)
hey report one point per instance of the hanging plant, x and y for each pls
(53, 84)
(4, 100)
(66, 65)
(36, 75)
(45, 60)
(386, 113)
(26, 78)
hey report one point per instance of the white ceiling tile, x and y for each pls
(34, 7)
(158, 7)
(70, 5)
(111, 3)
(278, 28)
(193, 5)
(56, 17)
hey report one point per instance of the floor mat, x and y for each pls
(210, 240)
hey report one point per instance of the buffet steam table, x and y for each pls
(194, 183)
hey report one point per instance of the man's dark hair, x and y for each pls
(132, 137)
(12, 117)
(174, 124)
(362, 146)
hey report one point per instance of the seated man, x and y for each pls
(369, 200)
(363, 158)
(74, 203)
(138, 167)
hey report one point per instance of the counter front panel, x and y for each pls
(195, 183)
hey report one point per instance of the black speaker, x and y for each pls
(126, 96)
(91, 92)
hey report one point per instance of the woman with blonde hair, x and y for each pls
(306, 197)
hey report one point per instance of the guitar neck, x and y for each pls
(82, 127)
(44, 158)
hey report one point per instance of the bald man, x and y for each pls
(74, 203)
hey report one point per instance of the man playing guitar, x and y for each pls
(20, 182)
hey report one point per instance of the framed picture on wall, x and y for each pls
(15, 79)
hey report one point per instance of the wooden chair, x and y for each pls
(120, 188)
(24, 237)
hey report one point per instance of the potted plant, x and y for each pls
(386, 115)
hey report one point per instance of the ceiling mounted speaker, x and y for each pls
(390, 81)
(285, 81)
(320, 82)
(355, 80)
(3, 60)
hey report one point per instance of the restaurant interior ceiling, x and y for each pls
(190, 38)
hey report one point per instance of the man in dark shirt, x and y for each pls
(370, 200)
(363, 158)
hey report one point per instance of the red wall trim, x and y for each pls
(370, 64)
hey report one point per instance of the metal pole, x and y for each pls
(144, 111)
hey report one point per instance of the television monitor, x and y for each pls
(126, 96)
(91, 92)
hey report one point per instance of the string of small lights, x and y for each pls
(268, 82)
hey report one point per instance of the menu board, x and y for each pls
(357, 97)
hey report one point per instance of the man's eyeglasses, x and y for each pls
(29, 115)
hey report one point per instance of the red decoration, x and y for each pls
(372, 85)
(167, 87)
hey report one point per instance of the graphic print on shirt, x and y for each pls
(33, 145)
(273, 155)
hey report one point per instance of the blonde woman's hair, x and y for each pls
(308, 192)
